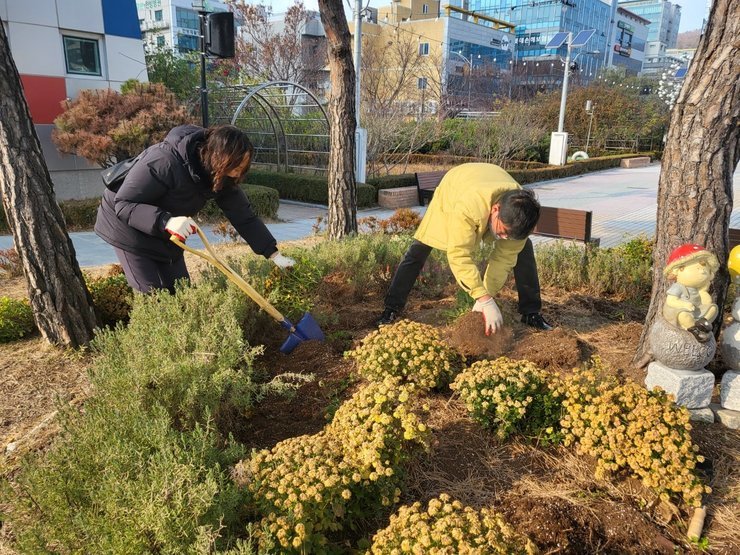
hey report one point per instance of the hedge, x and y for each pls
(308, 188)
(81, 214)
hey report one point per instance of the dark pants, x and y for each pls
(144, 274)
(525, 275)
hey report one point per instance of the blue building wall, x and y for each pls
(120, 18)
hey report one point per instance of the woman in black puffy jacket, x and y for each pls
(170, 183)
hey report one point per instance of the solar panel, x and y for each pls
(558, 40)
(582, 38)
(681, 72)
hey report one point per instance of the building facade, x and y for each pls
(454, 57)
(61, 47)
(629, 40)
(664, 18)
(538, 21)
(173, 24)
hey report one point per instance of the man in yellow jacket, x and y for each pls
(474, 203)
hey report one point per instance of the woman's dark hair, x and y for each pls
(224, 149)
(519, 211)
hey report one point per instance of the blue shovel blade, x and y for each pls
(305, 330)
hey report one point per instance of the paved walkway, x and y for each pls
(623, 202)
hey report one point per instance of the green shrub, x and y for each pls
(448, 527)
(112, 297)
(512, 396)
(525, 176)
(119, 479)
(310, 488)
(264, 200)
(410, 351)
(184, 352)
(393, 181)
(624, 271)
(16, 319)
(307, 188)
(80, 214)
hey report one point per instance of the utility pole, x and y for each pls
(360, 133)
(203, 51)
(564, 92)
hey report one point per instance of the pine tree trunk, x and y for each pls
(60, 301)
(702, 151)
(342, 186)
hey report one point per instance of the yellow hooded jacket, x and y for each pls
(457, 220)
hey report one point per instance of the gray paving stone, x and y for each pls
(729, 390)
(702, 415)
(727, 417)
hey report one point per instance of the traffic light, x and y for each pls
(220, 35)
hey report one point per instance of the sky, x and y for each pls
(692, 11)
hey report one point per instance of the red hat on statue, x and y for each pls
(687, 253)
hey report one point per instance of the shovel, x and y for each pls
(305, 330)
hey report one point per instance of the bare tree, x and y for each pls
(60, 301)
(342, 217)
(399, 85)
(702, 151)
(278, 52)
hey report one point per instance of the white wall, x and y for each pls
(37, 50)
(81, 15)
(38, 12)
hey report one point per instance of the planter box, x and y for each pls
(402, 197)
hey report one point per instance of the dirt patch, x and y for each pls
(467, 335)
(557, 350)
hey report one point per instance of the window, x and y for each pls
(421, 83)
(187, 19)
(425, 8)
(160, 40)
(82, 56)
(187, 43)
(423, 49)
(157, 15)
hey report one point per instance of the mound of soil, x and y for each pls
(467, 335)
(559, 349)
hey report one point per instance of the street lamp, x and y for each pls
(470, 72)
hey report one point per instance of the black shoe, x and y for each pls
(388, 317)
(536, 321)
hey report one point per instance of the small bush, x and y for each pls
(310, 488)
(10, 263)
(112, 297)
(623, 271)
(403, 220)
(185, 352)
(627, 428)
(16, 319)
(511, 396)
(446, 527)
(408, 350)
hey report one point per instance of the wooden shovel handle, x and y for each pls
(229, 272)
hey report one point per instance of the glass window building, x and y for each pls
(537, 21)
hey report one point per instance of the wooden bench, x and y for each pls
(558, 223)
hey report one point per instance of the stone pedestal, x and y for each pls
(691, 388)
(729, 390)
(731, 345)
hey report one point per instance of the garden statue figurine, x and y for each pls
(688, 304)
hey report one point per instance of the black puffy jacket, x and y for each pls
(169, 180)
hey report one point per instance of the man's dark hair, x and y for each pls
(519, 211)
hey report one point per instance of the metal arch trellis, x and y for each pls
(285, 121)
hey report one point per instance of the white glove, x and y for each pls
(181, 227)
(281, 261)
(491, 315)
